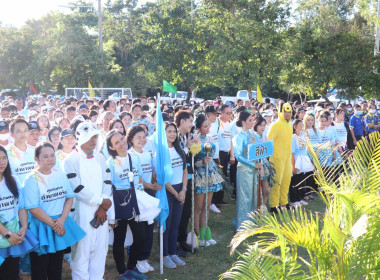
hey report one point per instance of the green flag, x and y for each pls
(168, 87)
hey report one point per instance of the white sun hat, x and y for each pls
(85, 132)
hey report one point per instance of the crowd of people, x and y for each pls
(78, 175)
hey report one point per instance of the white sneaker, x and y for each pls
(204, 243)
(296, 204)
(148, 266)
(141, 267)
(302, 202)
(211, 241)
(214, 209)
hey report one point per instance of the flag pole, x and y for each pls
(161, 227)
(161, 249)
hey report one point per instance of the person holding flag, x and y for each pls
(166, 162)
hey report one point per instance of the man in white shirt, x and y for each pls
(226, 153)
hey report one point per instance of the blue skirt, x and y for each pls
(50, 241)
(28, 245)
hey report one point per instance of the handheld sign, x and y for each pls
(260, 150)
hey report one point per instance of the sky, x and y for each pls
(17, 12)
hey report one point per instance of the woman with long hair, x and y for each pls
(126, 176)
(136, 139)
(15, 239)
(49, 197)
(310, 129)
(302, 170)
(44, 124)
(118, 125)
(176, 194)
(247, 171)
(202, 159)
(259, 127)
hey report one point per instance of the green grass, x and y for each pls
(207, 263)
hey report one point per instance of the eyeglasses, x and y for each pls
(228, 113)
(55, 135)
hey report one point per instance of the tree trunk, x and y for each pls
(189, 90)
(324, 93)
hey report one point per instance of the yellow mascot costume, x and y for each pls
(281, 133)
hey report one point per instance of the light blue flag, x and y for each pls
(162, 165)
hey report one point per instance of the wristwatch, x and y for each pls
(8, 235)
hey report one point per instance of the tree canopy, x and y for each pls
(311, 47)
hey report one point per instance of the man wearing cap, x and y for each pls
(90, 179)
(83, 109)
(300, 113)
(281, 133)
(226, 154)
(34, 134)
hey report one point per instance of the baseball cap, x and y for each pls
(268, 113)
(83, 106)
(32, 113)
(300, 109)
(67, 132)
(34, 126)
(4, 125)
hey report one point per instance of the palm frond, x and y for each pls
(342, 243)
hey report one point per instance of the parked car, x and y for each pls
(243, 95)
(180, 97)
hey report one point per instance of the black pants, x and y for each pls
(358, 137)
(224, 158)
(148, 244)
(47, 266)
(138, 232)
(186, 214)
(297, 189)
(233, 170)
(9, 270)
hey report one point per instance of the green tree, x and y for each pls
(173, 45)
(245, 41)
(329, 47)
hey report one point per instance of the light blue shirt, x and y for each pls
(299, 146)
(240, 144)
(314, 138)
(120, 169)
(49, 192)
(9, 205)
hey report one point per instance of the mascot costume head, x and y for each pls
(284, 107)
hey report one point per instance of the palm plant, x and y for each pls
(342, 243)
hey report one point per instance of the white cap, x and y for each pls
(32, 113)
(85, 132)
(268, 113)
